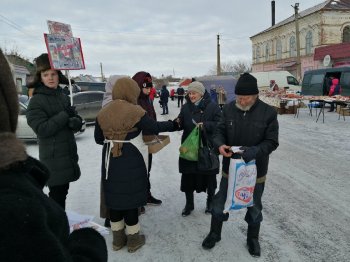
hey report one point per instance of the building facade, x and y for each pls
(324, 30)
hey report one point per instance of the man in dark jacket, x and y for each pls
(164, 97)
(33, 226)
(252, 124)
(180, 91)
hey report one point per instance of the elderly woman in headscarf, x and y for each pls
(124, 160)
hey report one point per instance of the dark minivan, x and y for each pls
(316, 82)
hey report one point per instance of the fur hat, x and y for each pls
(246, 85)
(196, 87)
(11, 149)
(42, 63)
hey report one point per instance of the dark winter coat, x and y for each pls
(255, 127)
(46, 115)
(34, 227)
(126, 186)
(164, 95)
(207, 112)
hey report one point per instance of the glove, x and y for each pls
(249, 153)
(75, 123)
(70, 110)
(175, 125)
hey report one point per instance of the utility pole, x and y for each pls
(298, 63)
(218, 65)
(102, 76)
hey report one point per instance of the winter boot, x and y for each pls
(253, 240)
(209, 205)
(107, 223)
(189, 204)
(134, 239)
(119, 237)
(151, 200)
(214, 234)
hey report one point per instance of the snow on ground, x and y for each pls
(306, 200)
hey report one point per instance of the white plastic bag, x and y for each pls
(241, 183)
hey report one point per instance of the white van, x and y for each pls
(283, 79)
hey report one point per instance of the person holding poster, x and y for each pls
(55, 121)
(251, 124)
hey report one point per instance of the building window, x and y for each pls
(267, 52)
(279, 49)
(292, 46)
(257, 54)
(19, 85)
(346, 34)
(308, 43)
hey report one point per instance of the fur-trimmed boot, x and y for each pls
(119, 237)
(214, 234)
(253, 240)
(189, 204)
(135, 240)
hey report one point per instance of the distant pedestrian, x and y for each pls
(180, 91)
(172, 94)
(334, 90)
(164, 97)
(273, 85)
(221, 95)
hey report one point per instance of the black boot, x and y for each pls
(189, 204)
(214, 234)
(209, 205)
(253, 240)
(107, 223)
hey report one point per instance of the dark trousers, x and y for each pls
(130, 216)
(180, 100)
(59, 194)
(149, 173)
(253, 214)
(165, 107)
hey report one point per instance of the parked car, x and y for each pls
(25, 132)
(88, 104)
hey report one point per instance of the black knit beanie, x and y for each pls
(246, 85)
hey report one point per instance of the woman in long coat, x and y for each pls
(54, 121)
(199, 109)
(124, 160)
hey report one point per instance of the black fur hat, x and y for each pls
(42, 63)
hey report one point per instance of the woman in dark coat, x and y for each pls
(124, 160)
(33, 226)
(144, 80)
(54, 121)
(199, 109)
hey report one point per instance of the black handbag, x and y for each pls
(208, 160)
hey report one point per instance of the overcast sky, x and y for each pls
(162, 37)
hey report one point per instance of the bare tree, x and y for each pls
(232, 67)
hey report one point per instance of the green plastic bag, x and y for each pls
(189, 148)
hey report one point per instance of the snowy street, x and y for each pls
(306, 198)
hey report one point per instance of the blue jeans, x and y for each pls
(253, 214)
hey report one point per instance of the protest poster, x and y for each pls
(57, 28)
(65, 53)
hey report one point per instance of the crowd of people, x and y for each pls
(126, 118)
